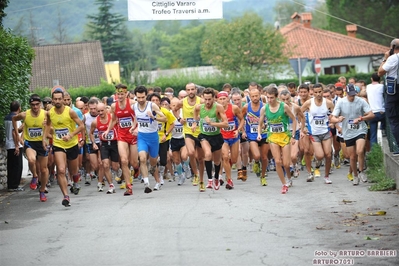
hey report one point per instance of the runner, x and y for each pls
(148, 115)
(33, 135)
(212, 118)
(65, 142)
(124, 117)
(319, 110)
(231, 137)
(258, 148)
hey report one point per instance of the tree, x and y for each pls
(379, 16)
(284, 10)
(60, 34)
(111, 31)
(243, 44)
(319, 17)
(3, 5)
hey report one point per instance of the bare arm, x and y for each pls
(261, 122)
(222, 115)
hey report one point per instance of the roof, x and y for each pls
(72, 64)
(317, 43)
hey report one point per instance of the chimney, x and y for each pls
(351, 30)
(296, 18)
(307, 20)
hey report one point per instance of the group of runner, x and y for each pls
(209, 130)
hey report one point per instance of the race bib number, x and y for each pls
(231, 127)
(125, 122)
(190, 122)
(60, 133)
(277, 128)
(254, 128)
(352, 125)
(319, 120)
(96, 136)
(109, 136)
(144, 123)
(208, 128)
(34, 132)
(178, 128)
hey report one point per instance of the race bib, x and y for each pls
(125, 122)
(208, 128)
(60, 133)
(352, 125)
(319, 120)
(190, 122)
(254, 128)
(159, 126)
(109, 136)
(178, 128)
(96, 136)
(145, 123)
(231, 127)
(35, 132)
(277, 128)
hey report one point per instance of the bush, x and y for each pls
(376, 173)
(16, 58)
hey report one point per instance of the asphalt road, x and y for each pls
(178, 225)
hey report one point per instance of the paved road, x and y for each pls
(250, 225)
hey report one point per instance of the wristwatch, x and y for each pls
(166, 134)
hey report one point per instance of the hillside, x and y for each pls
(43, 17)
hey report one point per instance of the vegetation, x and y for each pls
(375, 173)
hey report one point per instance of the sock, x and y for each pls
(179, 169)
(146, 181)
(217, 170)
(75, 178)
(208, 166)
(244, 167)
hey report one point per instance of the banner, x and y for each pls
(174, 10)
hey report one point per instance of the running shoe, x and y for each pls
(210, 183)
(182, 178)
(346, 162)
(123, 185)
(157, 186)
(284, 189)
(129, 191)
(87, 179)
(118, 180)
(263, 181)
(244, 175)
(256, 168)
(310, 178)
(233, 167)
(111, 189)
(317, 173)
(75, 188)
(319, 163)
(272, 165)
(202, 187)
(66, 201)
(221, 181)
(292, 170)
(187, 171)
(43, 197)
(33, 183)
(363, 177)
(289, 182)
(327, 180)
(216, 184)
(195, 180)
(239, 175)
(229, 184)
(337, 163)
(350, 176)
(296, 171)
(147, 188)
(355, 181)
(51, 178)
(100, 187)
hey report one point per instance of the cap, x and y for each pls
(351, 90)
(34, 98)
(46, 100)
(338, 84)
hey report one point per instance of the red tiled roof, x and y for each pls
(72, 64)
(316, 43)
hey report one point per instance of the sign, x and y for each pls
(174, 10)
(317, 66)
(298, 64)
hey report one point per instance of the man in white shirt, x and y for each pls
(375, 96)
(389, 66)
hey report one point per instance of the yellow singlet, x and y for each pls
(34, 128)
(188, 115)
(63, 125)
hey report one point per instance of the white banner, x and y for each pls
(174, 10)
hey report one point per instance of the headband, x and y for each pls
(223, 93)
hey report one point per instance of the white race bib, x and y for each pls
(353, 126)
(277, 128)
(60, 133)
(125, 122)
(35, 132)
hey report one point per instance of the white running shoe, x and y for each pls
(157, 186)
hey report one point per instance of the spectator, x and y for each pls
(375, 95)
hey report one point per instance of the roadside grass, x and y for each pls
(376, 171)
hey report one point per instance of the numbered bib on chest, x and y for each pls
(144, 122)
(178, 128)
(277, 128)
(319, 120)
(190, 122)
(125, 122)
(231, 127)
(352, 125)
(96, 136)
(60, 133)
(109, 136)
(208, 128)
(160, 126)
(254, 128)
(34, 132)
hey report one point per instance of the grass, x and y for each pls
(376, 171)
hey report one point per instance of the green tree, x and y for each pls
(319, 16)
(16, 58)
(110, 29)
(380, 16)
(3, 5)
(284, 9)
(245, 44)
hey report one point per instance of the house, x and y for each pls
(69, 65)
(337, 52)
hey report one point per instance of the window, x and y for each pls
(340, 69)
